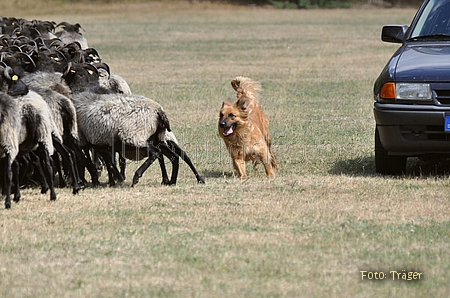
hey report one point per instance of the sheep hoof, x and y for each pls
(52, 196)
(17, 198)
(135, 179)
(200, 180)
(8, 205)
(44, 189)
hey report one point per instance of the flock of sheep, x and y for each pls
(63, 112)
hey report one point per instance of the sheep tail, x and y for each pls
(163, 121)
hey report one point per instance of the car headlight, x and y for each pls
(413, 91)
(406, 91)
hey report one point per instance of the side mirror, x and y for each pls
(394, 33)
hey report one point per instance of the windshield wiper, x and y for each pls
(439, 36)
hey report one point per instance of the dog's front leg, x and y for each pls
(239, 166)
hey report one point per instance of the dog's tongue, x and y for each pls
(228, 132)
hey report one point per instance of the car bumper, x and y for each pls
(412, 130)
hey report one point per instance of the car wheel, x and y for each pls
(387, 164)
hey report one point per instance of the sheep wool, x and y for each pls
(104, 119)
(37, 122)
(9, 126)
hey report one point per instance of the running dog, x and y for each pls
(245, 129)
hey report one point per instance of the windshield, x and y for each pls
(434, 20)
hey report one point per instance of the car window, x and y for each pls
(435, 19)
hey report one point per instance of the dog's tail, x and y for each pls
(246, 87)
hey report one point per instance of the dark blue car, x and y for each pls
(412, 93)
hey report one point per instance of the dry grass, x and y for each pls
(307, 233)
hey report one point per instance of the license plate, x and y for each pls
(447, 123)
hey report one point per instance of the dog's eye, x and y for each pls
(231, 116)
(220, 115)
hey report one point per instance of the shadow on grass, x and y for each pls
(217, 174)
(362, 166)
(428, 167)
(415, 167)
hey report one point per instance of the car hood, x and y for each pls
(424, 63)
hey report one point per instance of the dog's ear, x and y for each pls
(243, 103)
(227, 102)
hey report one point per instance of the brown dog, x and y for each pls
(245, 129)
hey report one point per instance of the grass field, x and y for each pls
(310, 232)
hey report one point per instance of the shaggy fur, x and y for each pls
(37, 123)
(55, 92)
(9, 126)
(9, 140)
(105, 119)
(25, 125)
(245, 129)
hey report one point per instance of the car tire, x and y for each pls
(387, 164)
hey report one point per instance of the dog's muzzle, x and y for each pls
(227, 130)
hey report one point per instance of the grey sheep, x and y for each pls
(9, 140)
(134, 126)
(71, 33)
(25, 125)
(110, 80)
(55, 92)
(37, 134)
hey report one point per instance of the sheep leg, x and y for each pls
(8, 179)
(82, 161)
(97, 161)
(175, 166)
(57, 164)
(16, 176)
(186, 158)
(68, 157)
(39, 172)
(122, 165)
(154, 153)
(117, 174)
(47, 167)
(113, 172)
(23, 168)
(174, 159)
(90, 162)
(162, 165)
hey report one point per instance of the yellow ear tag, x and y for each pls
(15, 78)
(90, 72)
(72, 71)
